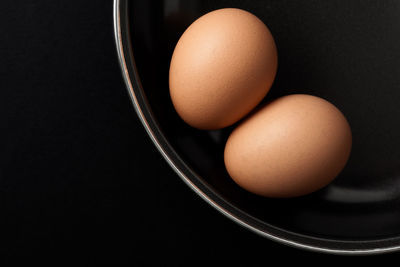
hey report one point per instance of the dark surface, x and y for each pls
(347, 53)
(79, 178)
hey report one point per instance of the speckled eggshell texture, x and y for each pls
(222, 67)
(290, 147)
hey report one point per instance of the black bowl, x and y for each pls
(347, 52)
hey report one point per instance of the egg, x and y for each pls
(292, 146)
(221, 68)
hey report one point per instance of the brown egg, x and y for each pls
(222, 67)
(290, 147)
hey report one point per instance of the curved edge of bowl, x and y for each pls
(330, 246)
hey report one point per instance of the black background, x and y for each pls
(79, 178)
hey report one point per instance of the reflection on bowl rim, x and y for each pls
(121, 32)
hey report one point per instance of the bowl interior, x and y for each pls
(347, 52)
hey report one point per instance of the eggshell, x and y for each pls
(290, 147)
(222, 67)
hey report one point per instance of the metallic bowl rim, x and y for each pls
(135, 90)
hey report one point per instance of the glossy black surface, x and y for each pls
(344, 51)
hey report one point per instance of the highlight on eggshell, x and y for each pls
(293, 146)
(221, 68)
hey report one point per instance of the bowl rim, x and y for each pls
(139, 102)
